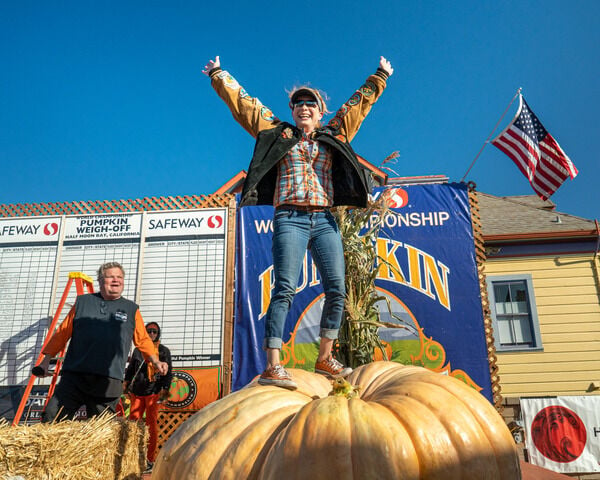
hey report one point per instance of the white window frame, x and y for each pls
(533, 315)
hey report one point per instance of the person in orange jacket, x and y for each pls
(147, 388)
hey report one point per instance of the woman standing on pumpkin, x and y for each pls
(303, 169)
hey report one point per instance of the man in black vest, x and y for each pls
(303, 169)
(100, 327)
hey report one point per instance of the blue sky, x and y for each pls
(104, 100)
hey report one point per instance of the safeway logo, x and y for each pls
(215, 221)
(51, 229)
(396, 198)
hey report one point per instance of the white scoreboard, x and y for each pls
(174, 263)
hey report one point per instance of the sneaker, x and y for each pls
(149, 467)
(332, 368)
(277, 375)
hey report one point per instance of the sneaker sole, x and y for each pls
(287, 384)
(343, 374)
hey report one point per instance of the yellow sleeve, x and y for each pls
(350, 116)
(61, 336)
(248, 111)
(140, 337)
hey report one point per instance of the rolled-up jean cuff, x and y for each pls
(331, 333)
(272, 342)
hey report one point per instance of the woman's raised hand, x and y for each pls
(385, 65)
(213, 64)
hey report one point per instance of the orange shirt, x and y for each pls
(63, 333)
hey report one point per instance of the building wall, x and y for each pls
(567, 296)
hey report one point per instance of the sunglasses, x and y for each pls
(152, 330)
(308, 103)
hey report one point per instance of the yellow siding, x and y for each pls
(575, 291)
(566, 310)
(582, 317)
(567, 297)
(570, 337)
(551, 328)
(536, 368)
(558, 282)
(560, 346)
(545, 377)
(545, 357)
(543, 265)
(564, 387)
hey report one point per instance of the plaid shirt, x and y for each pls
(304, 176)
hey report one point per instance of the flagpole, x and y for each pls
(490, 135)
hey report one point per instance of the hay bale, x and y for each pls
(102, 448)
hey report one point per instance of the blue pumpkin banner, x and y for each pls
(429, 277)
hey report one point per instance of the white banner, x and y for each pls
(563, 433)
(197, 223)
(102, 227)
(29, 230)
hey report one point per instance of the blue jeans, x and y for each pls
(293, 232)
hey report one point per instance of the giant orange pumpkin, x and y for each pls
(406, 423)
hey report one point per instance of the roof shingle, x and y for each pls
(526, 214)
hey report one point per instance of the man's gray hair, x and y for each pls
(106, 266)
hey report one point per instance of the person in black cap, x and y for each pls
(147, 388)
(303, 169)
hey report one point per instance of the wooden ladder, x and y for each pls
(82, 282)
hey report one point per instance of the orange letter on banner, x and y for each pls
(266, 285)
(390, 270)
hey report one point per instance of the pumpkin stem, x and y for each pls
(343, 388)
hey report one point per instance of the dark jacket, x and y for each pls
(351, 182)
(137, 372)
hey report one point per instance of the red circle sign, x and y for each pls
(397, 198)
(559, 434)
(215, 221)
(51, 229)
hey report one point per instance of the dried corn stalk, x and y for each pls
(358, 336)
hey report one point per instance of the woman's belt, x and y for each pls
(302, 208)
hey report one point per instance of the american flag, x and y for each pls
(536, 153)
